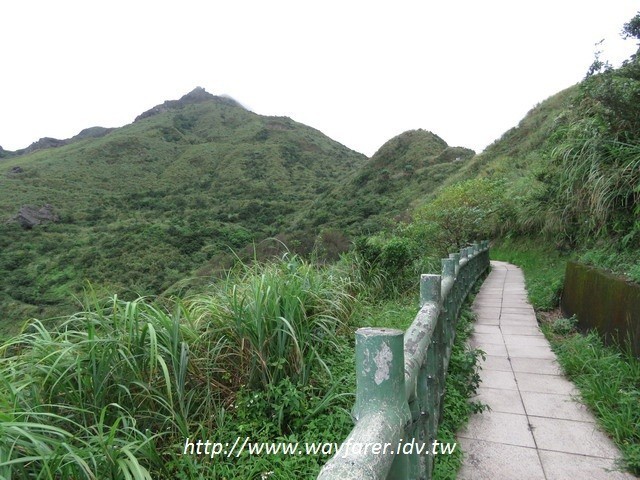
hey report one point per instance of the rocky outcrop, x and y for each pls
(28, 216)
(45, 142)
(197, 95)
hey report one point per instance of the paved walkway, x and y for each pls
(535, 429)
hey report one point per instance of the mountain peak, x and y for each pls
(197, 95)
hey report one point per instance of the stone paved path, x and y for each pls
(535, 429)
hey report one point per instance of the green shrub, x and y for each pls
(463, 213)
(385, 264)
(564, 326)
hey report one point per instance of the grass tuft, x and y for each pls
(609, 383)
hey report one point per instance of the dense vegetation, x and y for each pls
(116, 389)
(385, 189)
(569, 173)
(258, 349)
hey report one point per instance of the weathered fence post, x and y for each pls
(448, 279)
(381, 409)
(431, 293)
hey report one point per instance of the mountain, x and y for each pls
(140, 207)
(49, 142)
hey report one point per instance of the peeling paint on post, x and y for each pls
(381, 409)
(382, 361)
(380, 370)
(430, 288)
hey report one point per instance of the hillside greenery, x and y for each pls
(567, 176)
(387, 187)
(175, 197)
(145, 205)
(170, 328)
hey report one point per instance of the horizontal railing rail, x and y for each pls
(400, 380)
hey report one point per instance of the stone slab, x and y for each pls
(563, 466)
(555, 406)
(531, 352)
(500, 400)
(499, 427)
(535, 382)
(522, 330)
(487, 461)
(499, 379)
(525, 341)
(548, 366)
(569, 436)
(477, 328)
(480, 337)
(495, 362)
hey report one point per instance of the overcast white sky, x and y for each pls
(359, 71)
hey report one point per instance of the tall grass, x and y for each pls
(609, 382)
(278, 319)
(102, 390)
(113, 391)
(598, 177)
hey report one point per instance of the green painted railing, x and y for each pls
(400, 380)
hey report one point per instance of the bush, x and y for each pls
(114, 390)
(385, 264)
(463, 213)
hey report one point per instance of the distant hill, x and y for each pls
(404, 170)
(49, 142)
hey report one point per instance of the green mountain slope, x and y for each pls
(142, 206)
(399, 174)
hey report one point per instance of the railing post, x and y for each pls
(380, 370)
(456, 259)
(380, 383)
(456, 287)
(464, 272)
(424, 389)
(448, 279)
(430, 292)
